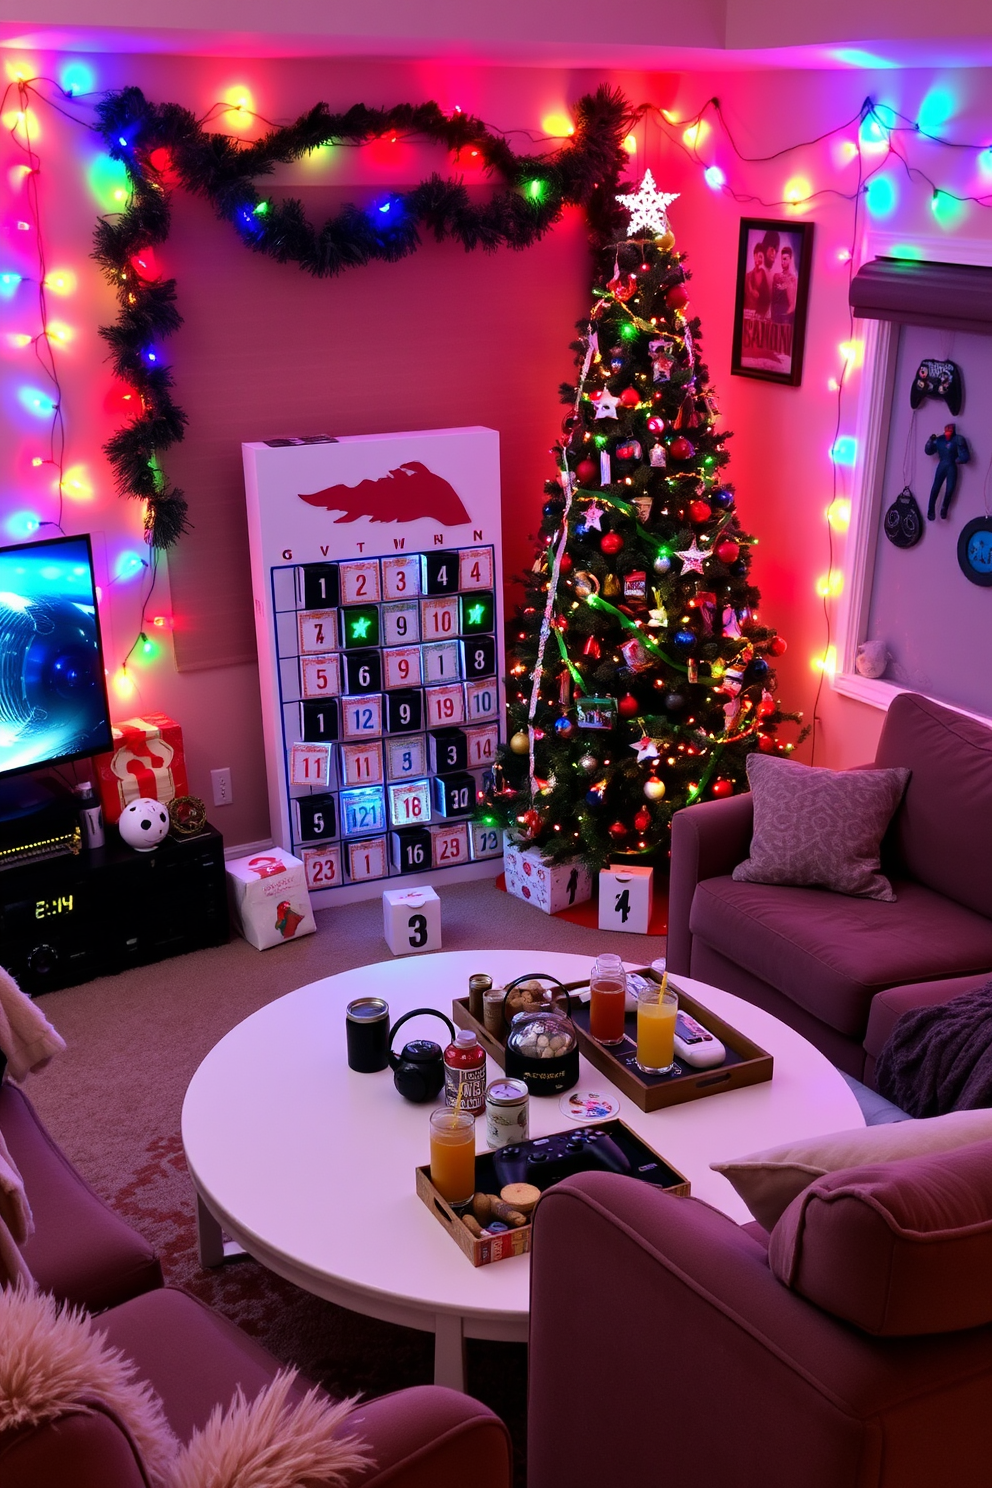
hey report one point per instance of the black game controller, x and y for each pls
(546, 1160)
(938, 380)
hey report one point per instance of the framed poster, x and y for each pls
(773, 270)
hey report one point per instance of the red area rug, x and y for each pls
(587, 914)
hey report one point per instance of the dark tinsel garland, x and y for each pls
(163, 144)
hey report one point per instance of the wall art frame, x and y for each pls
(774, 264)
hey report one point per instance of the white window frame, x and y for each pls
(881, 341)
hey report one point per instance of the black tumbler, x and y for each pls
(367, 1024)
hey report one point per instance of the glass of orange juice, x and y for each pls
(656, 1011)
(453, 1154)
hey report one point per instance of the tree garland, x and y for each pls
(164, 144)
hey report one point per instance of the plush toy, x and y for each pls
(872, 659)
(951, 450)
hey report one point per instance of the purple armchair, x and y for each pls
(819, 960)
(194, 1359)
(664, 1348)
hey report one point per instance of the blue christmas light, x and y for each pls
(714, 177)
(8, 284)
(844, 450)
(36, 402)
(22, 524)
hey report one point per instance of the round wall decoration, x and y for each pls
(975, 551)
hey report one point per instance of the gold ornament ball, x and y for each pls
(667, 241)
(654, 789)
(520, 743)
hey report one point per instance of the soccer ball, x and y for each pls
(143, 824)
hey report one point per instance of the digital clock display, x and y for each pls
(47, 909)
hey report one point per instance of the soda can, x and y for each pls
(367, 1029)
(506, 1113)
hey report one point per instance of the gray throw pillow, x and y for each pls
(820, 827)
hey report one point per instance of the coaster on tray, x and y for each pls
(588, 1105)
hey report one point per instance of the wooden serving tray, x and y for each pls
(484, 1250)
(746, 1063)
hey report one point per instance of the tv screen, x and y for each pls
(53, 695)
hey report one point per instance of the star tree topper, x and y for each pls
(648, 207)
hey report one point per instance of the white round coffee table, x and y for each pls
(310, 1166)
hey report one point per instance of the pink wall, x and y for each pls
(449, 338)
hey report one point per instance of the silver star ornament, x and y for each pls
(692, 558)
(647, 749)
(648, 207)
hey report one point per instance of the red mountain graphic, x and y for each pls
(409, 492)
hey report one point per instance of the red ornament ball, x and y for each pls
(587, 471)
(681, 448)
(642, 820)
(778, 646)
(727, 550)
(722, 787)
(677, 296)
(618, 831)
(630, 397)
(566, 563)
(700, 512)
(611, 542)
(765, 707)
(766, 743)
(628, 706)
(656, 425)
(531, 822)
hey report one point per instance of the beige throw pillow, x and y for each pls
(815, 827)
(769, 1181)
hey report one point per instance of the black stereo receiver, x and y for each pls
(67, 919)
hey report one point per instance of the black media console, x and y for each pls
(68, 919)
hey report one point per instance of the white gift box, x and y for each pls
(269, 899)
(411, 919)
(548, 886)
(626, 895)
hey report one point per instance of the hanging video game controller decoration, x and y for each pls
(937, 379)
(378, 610)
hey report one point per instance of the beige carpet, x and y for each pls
(113, 1102)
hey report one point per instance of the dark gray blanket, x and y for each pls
(939, 1059)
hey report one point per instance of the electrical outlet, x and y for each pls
(221, 781)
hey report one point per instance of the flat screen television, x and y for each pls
(53, 692)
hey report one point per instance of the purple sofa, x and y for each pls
(421, 1438)
(664, 1348)
(818, 960)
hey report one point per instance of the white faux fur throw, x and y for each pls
(52, 1359)
(26, 1036)
(269, 1443)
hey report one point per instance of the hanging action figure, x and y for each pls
(951, 450)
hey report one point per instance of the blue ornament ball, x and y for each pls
(662, 564)
(722, 499)
(674, 702)
(758, 667)
(564, 727)
(594, 799)
(685, 639)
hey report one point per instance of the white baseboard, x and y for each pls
(245, 849)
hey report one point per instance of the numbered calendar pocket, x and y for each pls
(441, 572)
(481, 700)
(321, 675)
(441, 660)
(320, 721)
(360, 582)
(361, 717)
(439, 619)
(409, 803)
(482, 743)
(362, 672)
(478, 657)
(401, 666)
(449, 845)
(316, 818)
(411, 849)
(359, 627)
(475, 568)
(318, 586)
(367, 859)
(400, 577)
(406, 758)
(361, 764)
(362, 810)
(484, 842)
(445, 705)
(310, 764)
(400, 623)
(318, 631)
(323, 866)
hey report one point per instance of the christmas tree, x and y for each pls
(639, 675)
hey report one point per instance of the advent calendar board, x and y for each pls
(379, 612)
